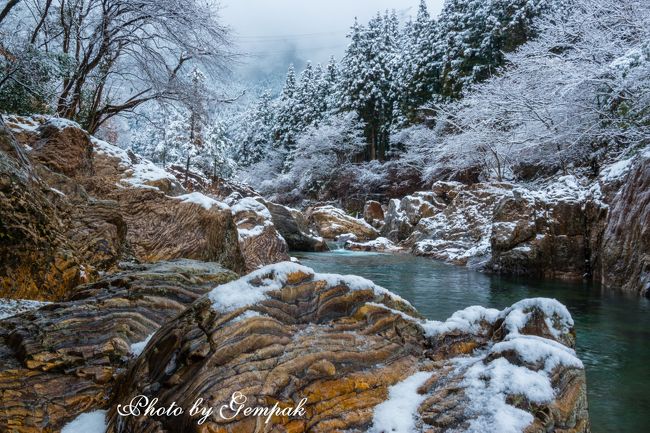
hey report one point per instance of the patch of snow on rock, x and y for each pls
(12, 307)
(90, 422)
(201, 199)
(254, 287)
(398, 413)
(137, 348)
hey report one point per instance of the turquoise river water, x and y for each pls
(613, 331)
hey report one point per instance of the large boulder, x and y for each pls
(460, 233)
(191, 226)
(259, 241)
(331, 222)
(109, 204)
(373, 213)
(360, 357)
(63, 359)
(403, 215)
(294, 228)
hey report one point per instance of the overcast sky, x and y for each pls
(278, 32)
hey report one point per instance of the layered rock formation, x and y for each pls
(74, 206)
(566, 228)
(343, 344)
(64, 359)
(36, 259)
(331, 222)
(260, 242)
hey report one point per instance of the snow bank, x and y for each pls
(466, 321)
(252, 206)
(137, 173)
(557, 317)
(487, 388)
(90, 422)
(249, 204)
(616, 171)
(398, 414)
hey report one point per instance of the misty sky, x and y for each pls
(278, 32)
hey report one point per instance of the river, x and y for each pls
(613, 330)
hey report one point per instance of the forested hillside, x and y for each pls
(487, 90)
(514, 89)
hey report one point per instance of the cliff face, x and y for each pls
(625, 245)
(566, 228)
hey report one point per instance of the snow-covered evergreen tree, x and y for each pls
(418, 72)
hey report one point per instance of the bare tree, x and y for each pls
(115, 55)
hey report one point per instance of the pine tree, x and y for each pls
(328, 86)
(367, 75)
(258, 128)
(418, 79)
(474, 35)
(287, 120)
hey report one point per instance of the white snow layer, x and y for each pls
(201, 199)
(90, 422)
(398, 414)
(138, 173)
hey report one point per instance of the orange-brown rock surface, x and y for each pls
(65, 358)
(73, 206)
(36, 259)
(344, 344)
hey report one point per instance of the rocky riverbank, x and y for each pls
(135, 287)
(566, 227)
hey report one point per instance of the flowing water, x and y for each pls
(613, 331)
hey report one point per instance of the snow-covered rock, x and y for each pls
(403, 215)
(347, 340)
(379, 245)
(331, 222)
(260, 242)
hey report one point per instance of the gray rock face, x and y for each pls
(625, 249)
(403, 215)
(293, 227)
